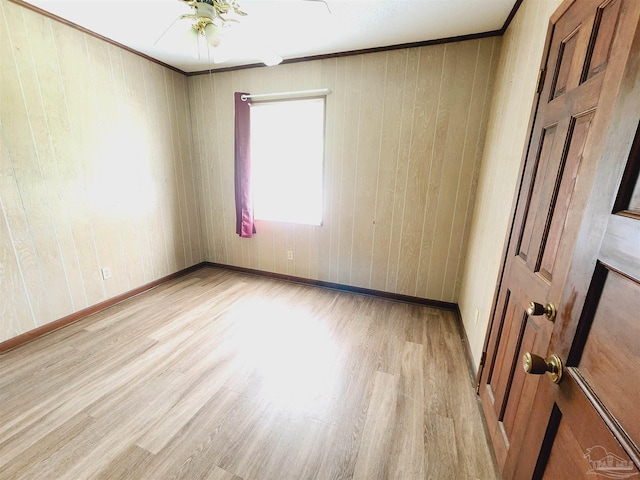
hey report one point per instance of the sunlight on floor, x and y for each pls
(292, 352)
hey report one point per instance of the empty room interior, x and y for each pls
(338, 251)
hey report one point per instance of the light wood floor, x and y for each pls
(220, 375)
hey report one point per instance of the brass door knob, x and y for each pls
(536, 365)
(548, 310)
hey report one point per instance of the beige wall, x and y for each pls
(405, 134)
(510, 110)
(95, 170)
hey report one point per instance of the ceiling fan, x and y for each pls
(216, 27)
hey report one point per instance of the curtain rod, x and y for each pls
(319, 91)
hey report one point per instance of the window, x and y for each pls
(287, 153)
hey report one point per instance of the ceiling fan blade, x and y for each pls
(221, 54)
(167, 29)
(322, 1)
(269, 57)
(247, 41)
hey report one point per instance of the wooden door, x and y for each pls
(588, 426)
(587, 47)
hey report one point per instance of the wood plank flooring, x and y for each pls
(224, 376)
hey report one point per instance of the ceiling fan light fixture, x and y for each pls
(221, 10)
(213, 34)
(204, 10)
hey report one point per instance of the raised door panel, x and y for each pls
(578, 444)
(565, 179)
(606, 23)
(610, 359)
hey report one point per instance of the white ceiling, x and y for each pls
(292, 28)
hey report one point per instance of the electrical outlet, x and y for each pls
(106, 272)
(477, 316)
(289, 254)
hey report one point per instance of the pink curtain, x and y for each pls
(244, 208)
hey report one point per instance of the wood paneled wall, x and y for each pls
(510, 110)
(95, 171)
(405, 133)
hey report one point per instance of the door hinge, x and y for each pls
(483, 359)
(541, 75)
